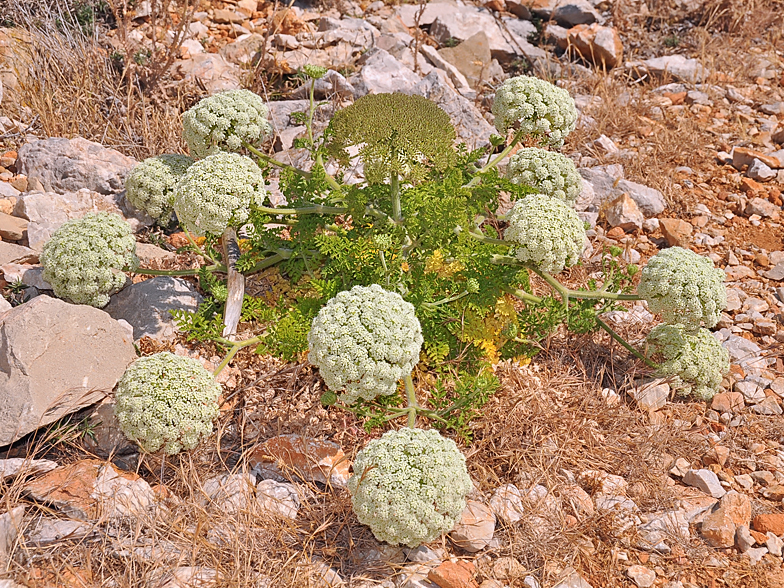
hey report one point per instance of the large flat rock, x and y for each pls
(66, 165)
(56, 358)
(47, 211)
(146, 305)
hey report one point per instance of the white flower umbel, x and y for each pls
(545, 232)
(167, 401)
(535, 106)
(695, 358)
(409, 486)
(150, 185)
(84, 259)
(364, 341)
(548, 172)
(217, 192)
(684, 287)
(224, 121)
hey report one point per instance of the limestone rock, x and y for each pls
(641, 576)
(12, 228)
(48, 531)
(464, 22)
(47, 211)
(507, 503)
(228, 493)
(10, 525)
(211, 70)
(623, 212)
(569, 13)
(89, 489)
(731, 402)
(278, 497)
(67, 165)
(600, 45)
(471, 57)
(678, 67)
(28, 467)
(433, 9)
(474, 531)
(107, 438)
(11, 252)
(56, 358)
(705, 480)
(382, 73)
(608, 183)
(146, 305)
(651, 396)
(571, 579)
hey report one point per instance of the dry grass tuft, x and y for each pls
(71, 85)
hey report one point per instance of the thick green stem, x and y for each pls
(235, 347)
(523, 295)
(330, 180)
(315, 209)
(562, 290)
(496, 160)
(394, 190)
(476, 234)
(142, 271)
(413, 405)
(624, 344)
(431, 305)
(275, 162)
(581, 294)
(198, 249)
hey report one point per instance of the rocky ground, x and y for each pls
(585, 477)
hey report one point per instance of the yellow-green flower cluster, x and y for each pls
(547, 172)
(168, 401)
(537, 107)
(684, 287)
(696, 358)
(150, 185)
(224, 121)
(545, 232)
(217, 192)
(396, 134)
(85, 258)
(409, 486)
(364, 341)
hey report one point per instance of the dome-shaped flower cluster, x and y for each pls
(684, 287)
(545, 232)
(409, 486)
(696, 359)
(217, 192)
(364, 341)
(547, 172)
(150, 185)
(224, 121)
(168, 401)
(537, 107)
(85, 258)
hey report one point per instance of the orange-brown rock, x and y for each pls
(742, 156)
(313, 460)
(769, 522)
(675, 231)
(600, 45)
(453, 575)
